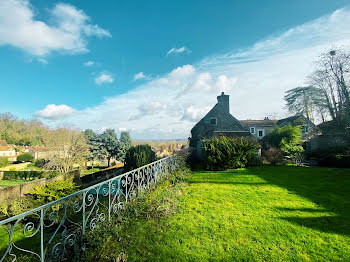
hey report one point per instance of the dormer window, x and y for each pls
(213, 121)
(252, 130)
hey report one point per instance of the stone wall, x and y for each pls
(23, 189)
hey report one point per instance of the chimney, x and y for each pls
(223, 100)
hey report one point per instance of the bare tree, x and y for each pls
(67, 149)
(332, 76)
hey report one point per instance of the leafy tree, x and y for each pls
(110, 144)
(304, 100)
(124, 145)
(25, 157)
(139, 156)
(288, 139)
(97, 151)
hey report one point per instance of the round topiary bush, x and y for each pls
(25, 157)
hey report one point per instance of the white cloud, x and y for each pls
(104, 78)
(179, 50)
(195, 113)
(89, 63)
(140, 76)
(55, 112)
(255, 77)
(67, 28)
(148, 109)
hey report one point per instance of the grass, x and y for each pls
(255, 214)
(89, 171)
(7, 183)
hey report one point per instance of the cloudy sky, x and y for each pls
(155, 67)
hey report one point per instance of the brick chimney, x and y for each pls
(223, 100)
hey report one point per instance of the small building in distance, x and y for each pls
(217, 122)
(7, 151)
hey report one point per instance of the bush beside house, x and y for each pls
(222, 153)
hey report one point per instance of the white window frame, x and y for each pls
(263, 133)
(216, 121)
(250, 129)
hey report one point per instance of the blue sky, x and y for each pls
(155, 67)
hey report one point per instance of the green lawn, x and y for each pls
(256, 214)
(6, 183)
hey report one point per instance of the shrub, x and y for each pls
(25, 157)
(25, 175)
(54, 190)
(288, 139)
(335, 156)
(15, 206)
(274, 155)
(139, 156)
(40, 163)
(4, 161)
(224, 153)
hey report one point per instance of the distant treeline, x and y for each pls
(22, 132)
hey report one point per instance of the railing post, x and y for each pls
(42, 253)
(109, 200)
(84, 222)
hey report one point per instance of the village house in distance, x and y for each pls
(219, 122)
(7, 151)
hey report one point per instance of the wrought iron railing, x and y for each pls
(49, 232)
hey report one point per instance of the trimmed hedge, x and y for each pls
(28, 175)
(223, 153)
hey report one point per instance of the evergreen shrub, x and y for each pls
(223, 153)
(25, 157)
(138, 156)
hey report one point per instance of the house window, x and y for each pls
(213, 121)
(252, 130)
(304, 129)
(261, 133)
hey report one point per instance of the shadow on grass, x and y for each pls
(328, 188)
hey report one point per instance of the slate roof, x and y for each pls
(257, 123)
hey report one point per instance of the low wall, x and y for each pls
(98, 177)
(23, 189)
(86, 181)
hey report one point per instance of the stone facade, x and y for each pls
(217, 122)
(259, 128)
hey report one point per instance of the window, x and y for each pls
(304, 129)
(261, 133)
(213, 121)
(252, 130)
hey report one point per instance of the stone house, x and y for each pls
(259, 128)
(217, 122)
(308, 129)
